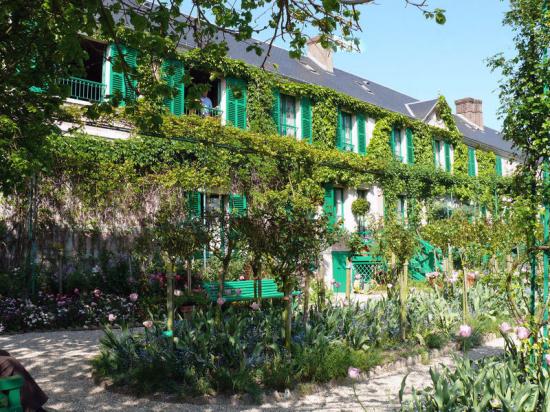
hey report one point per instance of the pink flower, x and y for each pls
(133, 297)
(464, 331)
(97, 293)
(337, 285)
(432, 275)
(148, 324)
(522, 332)
(547, 359)
(389, 286)
(332, 282)
(111, 317)
(255, 306)
(177, 292)
(471, 276)
(241, 277)
(76, 291)
(454, 277)
(354, 373)
(357, 277)
(220, 301)
(505, 327)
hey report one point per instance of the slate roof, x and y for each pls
(364, 90)
(422, 109)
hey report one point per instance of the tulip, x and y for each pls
(354, 373)
(112, 317)
(465, 331)
(522, 332)
(148, 324)
(220, 301)
(505, 327)
(241, 277)
(133, 297)
(255, 306)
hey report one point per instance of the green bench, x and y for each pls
(246, 288)
(10, 394)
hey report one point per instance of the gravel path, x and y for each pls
(59, 363)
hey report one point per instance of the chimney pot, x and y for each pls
(471, 109)
(321, 56)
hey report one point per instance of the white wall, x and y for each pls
(222, 97)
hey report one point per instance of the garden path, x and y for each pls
(59, 361)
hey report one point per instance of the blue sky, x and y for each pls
(404, 51)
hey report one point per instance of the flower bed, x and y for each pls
(49, 311)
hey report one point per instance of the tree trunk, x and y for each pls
(287, 314)
(403, 294)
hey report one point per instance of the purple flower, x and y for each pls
(465, 331)
(133, 297)
(354, 373)
(220, 301)
(255, 306)
(337, 285)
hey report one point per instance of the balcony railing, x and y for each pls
(289, 130)
(87, 90)
(205, 112)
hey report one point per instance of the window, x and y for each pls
(339, 203)
(288, 116)
(362, 194)
(398, 150)
(402, 209)
(361, 222)
(442, 155)
(344, 138)
(498, 166)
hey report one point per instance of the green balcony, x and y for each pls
(86, 90)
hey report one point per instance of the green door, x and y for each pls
(339, 271)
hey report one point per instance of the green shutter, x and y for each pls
(172, 73)
(392, 141)
(237, 204)
(447, 150)
(194, 203)
(361, 135)
(276, 110)
(410, 147)
(471, 161)
(328, 205)
(498, 166)
(307, 130)
(236, 102)
(434, 151)
(339, 132)
(118, 81)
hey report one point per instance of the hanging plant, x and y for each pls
(360, 207)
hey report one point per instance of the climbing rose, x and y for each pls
(354, 373)
(522, 332)
(111, 317)
(220, 301)
(255, 306)
(465, 331)
(148, 324)
(241, 277)
(133, 297)
(177, 292)
(505, 327)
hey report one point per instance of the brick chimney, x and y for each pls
(321, 56)
(471, 109)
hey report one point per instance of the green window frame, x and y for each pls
(401, 208)
(361, 134)
(288, 116)
(236, 99)
(437, 153)
(237, 204)
(344, 132)
(410, 146)
(121, 84)
(396, 144)
(328, 205)
(471, 161)
(173, 73)
(306, 115)
(498, 165)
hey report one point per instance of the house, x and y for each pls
(293, 118)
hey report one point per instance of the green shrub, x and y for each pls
(436, 340)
